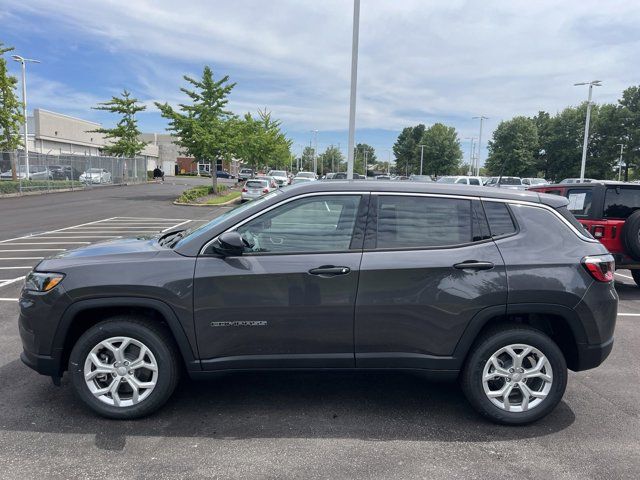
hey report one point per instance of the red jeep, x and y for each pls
(610, 211)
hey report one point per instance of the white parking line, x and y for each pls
(4, 283)
(21, 258)
(8, 299)
(17, 268)
(625, 276)
(58, 230)
(45, 243)
(34, 250)
(629, 314)
(175, 226)
(85, 236)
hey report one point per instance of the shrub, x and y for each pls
(193, 194)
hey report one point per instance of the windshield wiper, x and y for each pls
(170, 238)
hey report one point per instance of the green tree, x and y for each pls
(442, 152)
(407, 151)
(629, 118)
(10, 114)
(330, 159)
(205, 129)
(306, 160)
(261, 143)
(125, 135)
(514, 148)
(365, 155)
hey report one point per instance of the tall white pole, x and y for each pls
(24, 112)
(421, 157)
(354, 82)
(620, 162)
(585, 142)
(477, 170)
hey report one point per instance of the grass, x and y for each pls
(223, 198)
(198, 195)
(10, 186)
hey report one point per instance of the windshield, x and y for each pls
(447, 180)
(277, 173)
(305, 174)
(257, 183)
(510, 181)
(300, 180)
(537, 181)
(231, 213)
(94, 170)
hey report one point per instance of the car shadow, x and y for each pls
(627, 291)
(371, 406)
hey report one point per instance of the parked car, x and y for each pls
(310, 175)
(532, 182)
(513, 183)
(383, 177)
(224, 174)
(36, 172)
(610, 211)
(461, 180)
(64, 172)
(256, 187)
(420, 178)
(577, 180)
(280, 176)
(456, 282)
(96, 175)
(245, 174)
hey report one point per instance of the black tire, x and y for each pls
(490, 343)
(631, 235)
(156, 338)
(636, 276)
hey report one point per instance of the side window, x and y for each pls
(474, 181)
(462, 180)
(414, 222)
(579, 201)
(620, 202)
(312, 224)
(499, 218)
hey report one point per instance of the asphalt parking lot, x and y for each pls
(300, 425)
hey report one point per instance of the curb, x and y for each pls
(65, 190)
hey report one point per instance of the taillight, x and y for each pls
(600, 268)
(266, 190)
(598, 231)
(245, 190)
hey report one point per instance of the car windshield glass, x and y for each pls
(305, 175)
(447, 180)
(277, 173)
(230, 214)
(256, 184)
(94, 170)
(510, 181)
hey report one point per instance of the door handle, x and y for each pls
(473, 265)
(329, 270)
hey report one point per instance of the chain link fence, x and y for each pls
(39, 172)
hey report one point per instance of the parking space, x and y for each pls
(19, 255)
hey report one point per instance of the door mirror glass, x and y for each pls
(229, 243)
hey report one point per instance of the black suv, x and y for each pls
(502, 290)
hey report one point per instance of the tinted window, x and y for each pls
(405, 222)
(620, 202)
(500, 221)
(312, 224)
(474, 181)
(256, 184)
(579, 201)
(462, 180)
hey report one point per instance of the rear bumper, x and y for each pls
(590, 356)
(42, 364)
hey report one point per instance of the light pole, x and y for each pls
(315, 151)
(477, 166)
(389, 162)
(621, 145)
(421, 157)
(23, 61)
(470, 153)
(354, 82)
(585, 143)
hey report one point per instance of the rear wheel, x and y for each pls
(124, 367)
(515, 375)
(631, 235)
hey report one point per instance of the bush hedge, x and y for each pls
(10, 186)
(193, 194)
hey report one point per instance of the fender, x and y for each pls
(165, 310)
(480, 320)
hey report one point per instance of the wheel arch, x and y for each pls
(82, 315)
(560, 323)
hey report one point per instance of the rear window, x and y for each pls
(256, 183)
(510, 181)
(414, 222)
(620, 202)
(499, 218)
(579, 201)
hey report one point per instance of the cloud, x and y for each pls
(419, 61)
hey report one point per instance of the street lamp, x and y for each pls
(477, 166)
(585, 143)
(23, 61)
(421, 157)
(470, 153)
(354, 82)
(315, 151)
(621, 145)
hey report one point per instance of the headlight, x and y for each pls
(42, 282)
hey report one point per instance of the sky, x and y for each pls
(420, 61)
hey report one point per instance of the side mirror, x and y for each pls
(229, 244)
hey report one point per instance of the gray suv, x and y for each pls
(499, 289)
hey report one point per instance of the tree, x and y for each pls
(365, 156)
(330, 159)
(513, 149)
(407, 150)
(261, 143)
(629, 118)
(125, 135)
(442, 152)
(306, 160)
(10, 114)
(205, 129)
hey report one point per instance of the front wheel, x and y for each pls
(124, 367)
(515, 375)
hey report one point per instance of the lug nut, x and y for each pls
(130, 372)
(511, 370)
(126, 364)
(508, 379)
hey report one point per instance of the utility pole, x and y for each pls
(354, 84)
(421, 157)
(477, 166)
(585, 142)
(23, 61)
(471, 156)
(315, 151)
(621, 145)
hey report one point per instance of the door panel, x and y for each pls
(301, 320)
